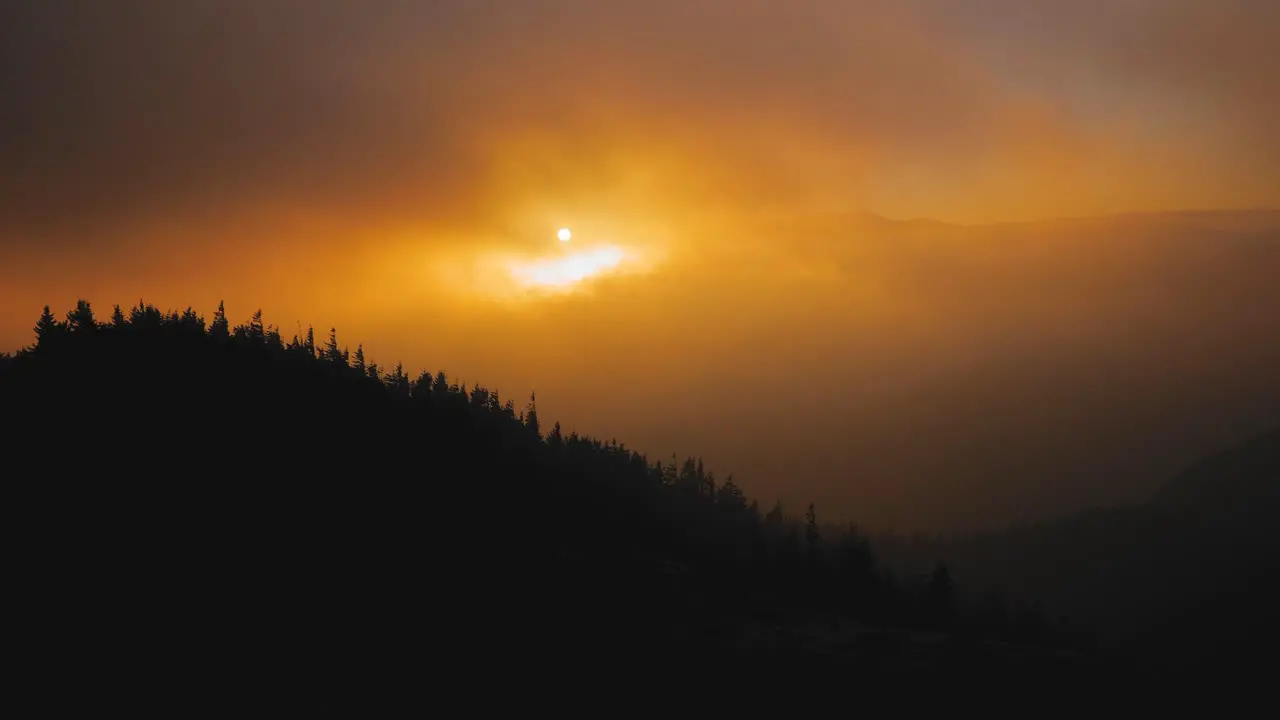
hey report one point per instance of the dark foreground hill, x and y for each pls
(209, 516)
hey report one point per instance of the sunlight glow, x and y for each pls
(566, 271)
(564, 234)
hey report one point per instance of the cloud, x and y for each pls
(454, 113)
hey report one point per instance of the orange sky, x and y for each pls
(360, 164)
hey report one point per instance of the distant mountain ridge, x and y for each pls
(1188, 580)
(1245, 473)
(1218, 219)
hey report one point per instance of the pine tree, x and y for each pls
(190, 321)
(422, 386)
(812, 537)
(775, 517)
(47, 329)
(81, 319)
(397, 381)
(531, 415)
(360, 364)
(219, 330)
(117, 316)
(480, 399)
(330, 347)
(730, 497)
(257, 330)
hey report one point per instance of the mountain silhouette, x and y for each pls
(209, 515)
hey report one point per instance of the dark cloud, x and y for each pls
(120, 110)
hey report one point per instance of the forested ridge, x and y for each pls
(211, 506)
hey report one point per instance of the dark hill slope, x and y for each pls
(215, 514)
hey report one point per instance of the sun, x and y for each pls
(564, 234)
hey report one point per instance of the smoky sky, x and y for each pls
(335, 162)
(126, 109)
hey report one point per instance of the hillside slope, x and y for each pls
(212, 512)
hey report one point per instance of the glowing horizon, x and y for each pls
(568, 270)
